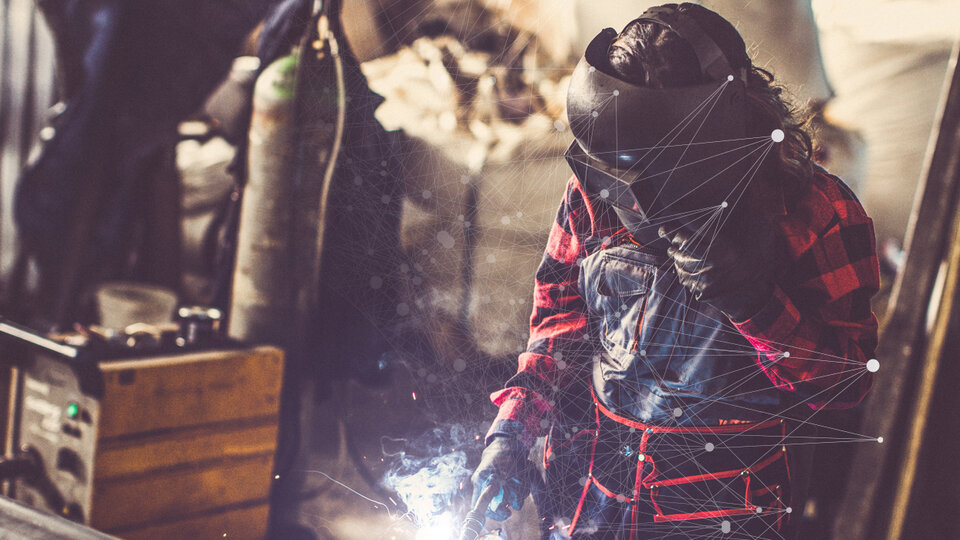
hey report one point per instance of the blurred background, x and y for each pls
(339, 207)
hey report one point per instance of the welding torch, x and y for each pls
(476, 517)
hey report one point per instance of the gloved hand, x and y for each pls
(504, 461)
(731, 270)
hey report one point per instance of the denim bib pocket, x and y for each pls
(625, 287)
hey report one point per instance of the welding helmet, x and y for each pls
(657, 155)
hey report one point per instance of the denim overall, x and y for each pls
(687, 442)
(665, 357)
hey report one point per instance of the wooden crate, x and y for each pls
(185, 445)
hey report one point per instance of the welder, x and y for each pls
(705, 290)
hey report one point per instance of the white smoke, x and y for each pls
(429, 476)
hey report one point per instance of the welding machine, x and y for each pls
(173, 441)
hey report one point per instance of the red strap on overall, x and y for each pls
(649, 481)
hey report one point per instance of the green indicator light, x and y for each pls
(73, 410)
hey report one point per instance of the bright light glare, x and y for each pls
(444, 527)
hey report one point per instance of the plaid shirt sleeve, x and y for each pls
(556, 351)
(817, 331)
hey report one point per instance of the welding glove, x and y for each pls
(504, 461)
(732, 270)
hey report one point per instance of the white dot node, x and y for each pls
(729, 77)
(604, 193)
(643, 352)
(459, 364)
(491, 258)
(724, 204)
(759, 509)
(276, 477)
(789, 509)
(709, 447)
(677, 412)
(873, 365)
(592, 69)
(880, 440)
(785, 354)
(725, 526)
(385, 199)
(426, 194)
(616, 92)
(505, 220)
(445, 239)
(594, 114)
(376, 282)
(777, 135)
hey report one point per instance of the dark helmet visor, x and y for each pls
(657, 153)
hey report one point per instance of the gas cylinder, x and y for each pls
(262, 302)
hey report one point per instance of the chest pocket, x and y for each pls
(622, 292)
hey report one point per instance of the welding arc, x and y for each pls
(476, 517)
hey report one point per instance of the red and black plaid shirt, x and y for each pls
(816, 332)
